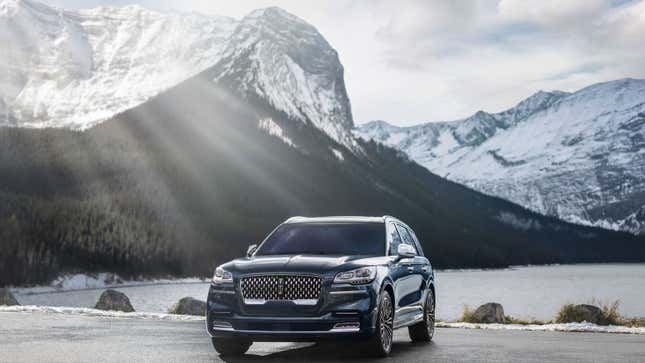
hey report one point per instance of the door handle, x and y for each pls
(425, 269)
(410, 269)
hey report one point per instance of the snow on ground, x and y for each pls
(96, 281)
(96, 313)
(568, 327)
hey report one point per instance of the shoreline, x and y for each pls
(99, 280)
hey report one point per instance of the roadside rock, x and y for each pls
(579, 313)
(114, 300)
(188, 306)
(489, 313)
(7, 298)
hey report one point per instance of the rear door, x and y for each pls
(413, 299)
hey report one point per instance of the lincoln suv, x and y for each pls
(354, 278)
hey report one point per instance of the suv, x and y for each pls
(320, 278)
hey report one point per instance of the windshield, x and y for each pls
(342, 239)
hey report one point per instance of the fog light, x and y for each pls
(347, 327)
(222, 325)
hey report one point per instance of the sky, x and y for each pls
(413, 61)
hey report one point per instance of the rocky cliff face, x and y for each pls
(579, 156)
(284, 60)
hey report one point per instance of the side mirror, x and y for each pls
(405, 251)
(250, 250)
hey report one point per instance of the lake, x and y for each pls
(524, 291)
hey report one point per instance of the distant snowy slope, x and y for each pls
(578, 156)
(75, 69)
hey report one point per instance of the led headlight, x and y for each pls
(363, 275)
(222, 275)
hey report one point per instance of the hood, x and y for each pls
(301, 263)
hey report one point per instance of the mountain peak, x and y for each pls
(287, 62)
(273, 12)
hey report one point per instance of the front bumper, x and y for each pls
(341, 312)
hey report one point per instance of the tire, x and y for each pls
(424, 331)
(380, 344)
(231, 347)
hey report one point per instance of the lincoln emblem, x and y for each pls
(281, 287)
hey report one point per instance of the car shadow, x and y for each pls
(334, 351)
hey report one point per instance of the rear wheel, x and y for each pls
(424, 331)
(381, 342)
(231, 347)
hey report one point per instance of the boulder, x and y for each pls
(489, 313)
(6, 297)
(581, 312)
(189, 306)
(114, 300)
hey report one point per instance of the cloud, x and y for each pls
(490, 54)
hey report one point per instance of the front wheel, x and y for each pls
(424, 331)
(381, 342)
(231, 347)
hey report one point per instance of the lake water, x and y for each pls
(524, 291)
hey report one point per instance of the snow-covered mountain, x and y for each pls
(578, 156)
(286, 61)
(77, 68)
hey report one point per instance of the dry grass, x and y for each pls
(467, 315)
(633, 322)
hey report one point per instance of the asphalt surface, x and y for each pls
(43, 337)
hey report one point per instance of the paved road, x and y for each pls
(42, 337)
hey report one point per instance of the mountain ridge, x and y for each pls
(576, 156)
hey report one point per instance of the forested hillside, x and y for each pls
(189, 179)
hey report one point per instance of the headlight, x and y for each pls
(358, 276)
(222, 275)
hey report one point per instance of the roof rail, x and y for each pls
(386, 217)
(291, 219)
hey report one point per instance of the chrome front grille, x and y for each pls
(299, 288)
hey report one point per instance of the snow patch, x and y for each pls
(96, 281)
(96, 313)
(273, 129)
(518, 222)
(583, 327)
(338, 154)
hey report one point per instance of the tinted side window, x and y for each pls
(407, 238)
(394, 238)
(417, 242)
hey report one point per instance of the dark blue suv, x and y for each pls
(321, 278)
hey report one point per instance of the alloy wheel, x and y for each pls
(386, 319)
(429, 314)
